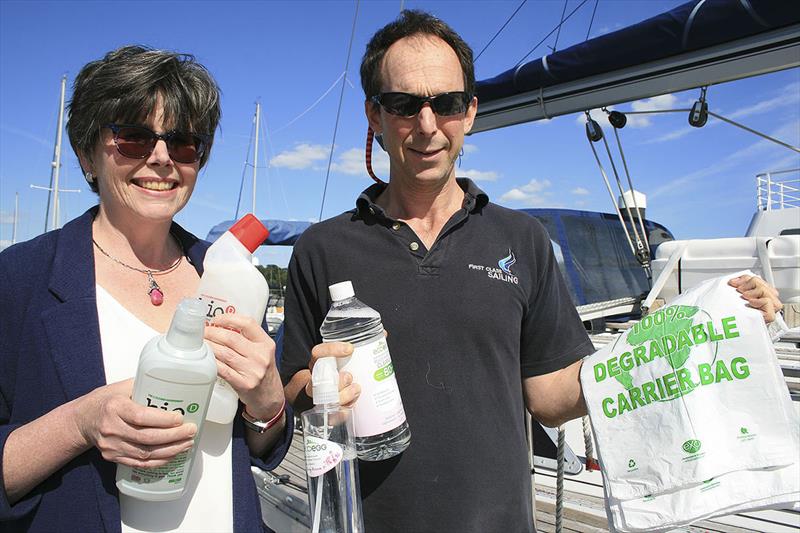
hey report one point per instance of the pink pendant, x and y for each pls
(156, 297)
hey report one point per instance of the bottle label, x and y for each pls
(189, 400)
(379, 408)
(321, 455)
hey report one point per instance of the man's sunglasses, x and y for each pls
(408, 105)
(138, 142)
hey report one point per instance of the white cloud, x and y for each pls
(478, 175)
(534, 193)
(5, 243)
(351, 162)
(301, 156)
(470, 149)
(580, 191)
(6, 218)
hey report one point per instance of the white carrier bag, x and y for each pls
(692, 415)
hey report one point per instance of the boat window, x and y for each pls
(791, 231)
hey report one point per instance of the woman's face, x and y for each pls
(140, 190)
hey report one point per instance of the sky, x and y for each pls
(291, 57)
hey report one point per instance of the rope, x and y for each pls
(765, 136)
(338, 112)
(558, 33)
(591, 462)
(560, 480)
(611, 194)
(646, 249)
(549, 34)
(368, 155)
(500, 30)
(592, 20)
(639, 244)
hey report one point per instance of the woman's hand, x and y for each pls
(348, 391)
(246, 360)
(759, 295)
(128, 433)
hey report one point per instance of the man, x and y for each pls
(480, 322)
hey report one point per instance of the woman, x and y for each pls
(87, 297)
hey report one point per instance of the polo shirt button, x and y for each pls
(396, 226)
(414, 246)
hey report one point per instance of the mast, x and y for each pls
(55, 167)
(255, 154)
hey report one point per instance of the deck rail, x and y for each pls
(774, 191)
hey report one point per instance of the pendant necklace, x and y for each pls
(154, 291)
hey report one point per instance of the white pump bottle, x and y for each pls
(231, 284)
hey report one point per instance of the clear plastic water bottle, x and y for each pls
(333, 488)
(379, 420)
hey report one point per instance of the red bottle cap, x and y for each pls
(250, 232)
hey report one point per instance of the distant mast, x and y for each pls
(56, 164)
(55, 167)
(254, 259)
(255, 155)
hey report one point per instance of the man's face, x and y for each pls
(423, 148)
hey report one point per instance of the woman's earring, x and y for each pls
(89, 178)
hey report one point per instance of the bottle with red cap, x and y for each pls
(231, 284)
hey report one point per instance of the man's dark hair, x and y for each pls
(123, 88)
(412, 22)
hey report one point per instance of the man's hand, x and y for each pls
(128, 433)
(246, 360)
(348, 391)
(759, 295)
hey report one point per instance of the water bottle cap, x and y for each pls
(341, 291)
(250, 232)
(188, 325)
(325, 381)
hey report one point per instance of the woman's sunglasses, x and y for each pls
(138, 142)
(408, 105)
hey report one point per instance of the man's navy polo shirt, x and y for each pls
(467, 320)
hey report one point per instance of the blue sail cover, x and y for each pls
(281, 232)
(688, 27)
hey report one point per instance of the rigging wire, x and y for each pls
(268, 166)
(551, 33)
(244, 168)
(338, 111)
(312, 106)
(592, 20)
(633, 195)
(558, 33)
(501, 29)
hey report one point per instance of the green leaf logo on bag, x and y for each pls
(692, 446)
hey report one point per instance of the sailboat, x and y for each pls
(692, 46)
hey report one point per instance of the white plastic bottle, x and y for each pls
(231, 284)
(176, 372)
(333, 488)
(378, 417)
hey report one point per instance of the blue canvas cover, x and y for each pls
(692, 26)
(281, 232)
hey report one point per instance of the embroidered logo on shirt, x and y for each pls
(503, 273)
(506, 262)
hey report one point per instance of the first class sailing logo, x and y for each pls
(502, 271)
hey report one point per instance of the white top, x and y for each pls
(341, 291)
(207, 504)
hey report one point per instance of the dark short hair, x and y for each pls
(123, 86)
(412, 22)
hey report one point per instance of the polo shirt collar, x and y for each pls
(474, 199)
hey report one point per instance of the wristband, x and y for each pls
(260, 426)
